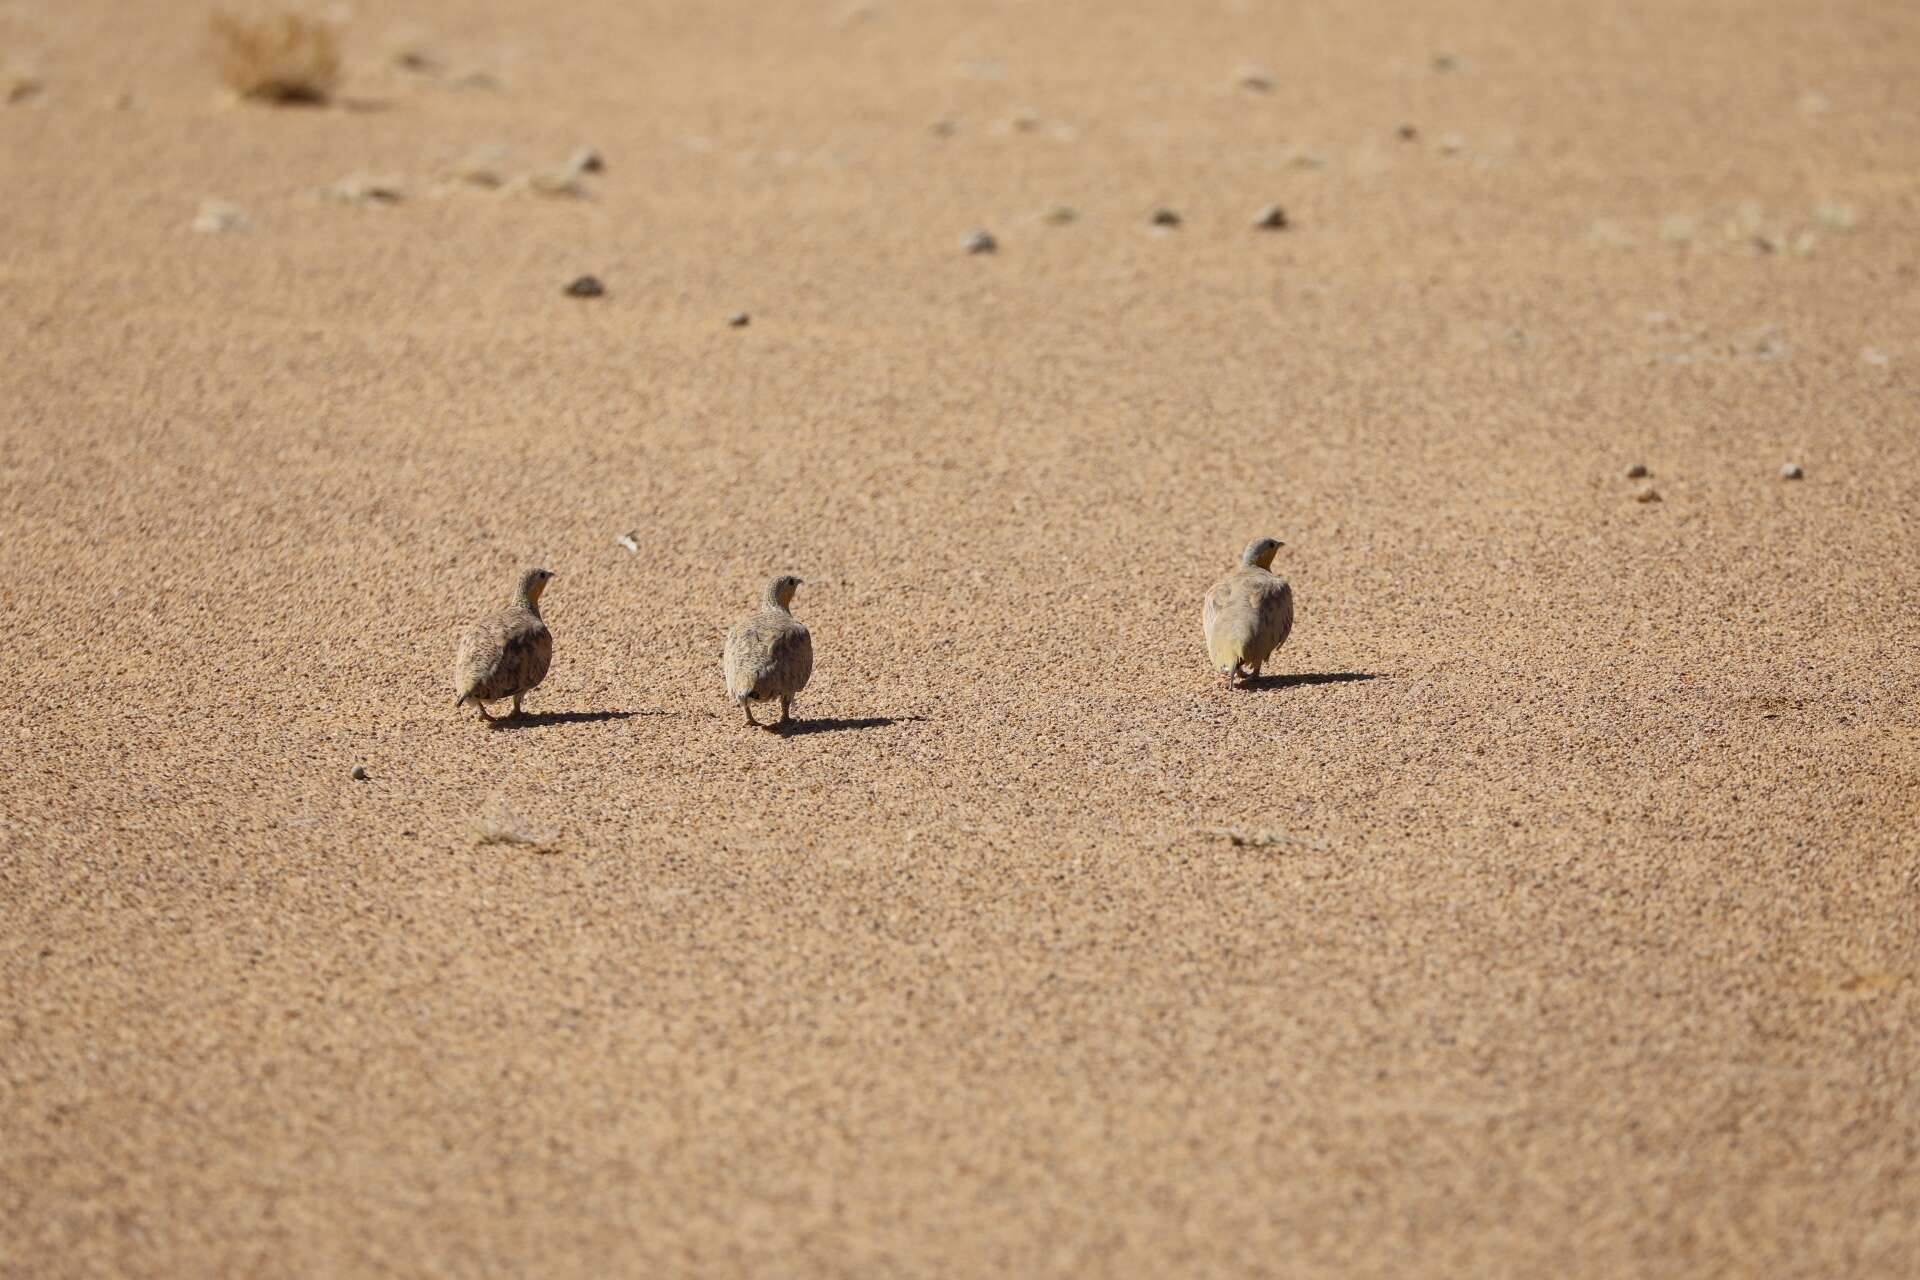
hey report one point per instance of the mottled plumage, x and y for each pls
(1248, 613)
(506, 653)
(768, 654)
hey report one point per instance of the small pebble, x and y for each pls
(1164, 217)
(1270, 218)
(628, 541)
(1452, 143)
(482, 166)
(1677, 228)
(587, 160)
(358, 773)
(411, 56)
(1406, 133)
(739, 320)
(1255, 78)
(1646, 493)
(218, 215)
(1060, 215)
(980, 242)
(558, 183)
(365, 188)
(1638, 471)
(1839, 216)
(1876, 357)
(586, 287)
(18, 86)
(944, 128)
(1445, 62)
(1792, 471)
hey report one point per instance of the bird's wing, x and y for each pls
(1276, 611)
(793, 653)
(526, 651)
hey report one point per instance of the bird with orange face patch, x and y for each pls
(1248, 614)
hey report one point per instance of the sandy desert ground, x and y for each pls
(1575, 932)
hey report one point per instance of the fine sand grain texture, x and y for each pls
(1547, 907)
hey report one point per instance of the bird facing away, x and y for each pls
(768, 655)
(506, 653)
(1248, 613)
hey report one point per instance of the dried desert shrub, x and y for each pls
(281, 57)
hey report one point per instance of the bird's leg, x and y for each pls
(786, 707)
(747, 707)
(481, 707)
(1232, 671)
(515, 713)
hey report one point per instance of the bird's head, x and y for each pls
(1259, 552)
(532, 583)
(780, 591)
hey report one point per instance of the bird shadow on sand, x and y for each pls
(1299, 679)
(797, 728)
(544, 719)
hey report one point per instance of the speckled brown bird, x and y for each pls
(506, 653)
(768, 654)
(1248, 613)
